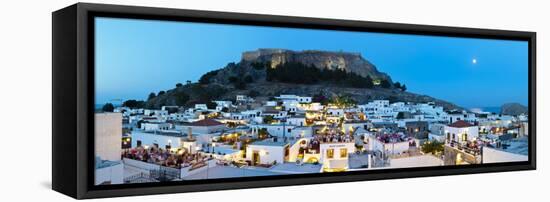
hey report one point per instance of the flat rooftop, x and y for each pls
(229, 172)
(164, 133)
(517, 146)
(221, 149)
(293, 168)
(269, 143)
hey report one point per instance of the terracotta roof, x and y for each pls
(206, 122)
(460, 124)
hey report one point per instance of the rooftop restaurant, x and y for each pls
(326, 137)
(163, 157)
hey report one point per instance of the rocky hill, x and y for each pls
(349, 62)
(513, 109)
(265, 73)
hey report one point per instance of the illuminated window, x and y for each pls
(330, 153)
(343, 153)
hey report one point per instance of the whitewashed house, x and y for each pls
(204, 126)
(267, 152)
(160, 139)
(461, 131)
(278, 130)
(300, 99)
(335, 112)
(155, 126)
(223, 103)
(108, 172)
(395, 146)
(108, 136)
(301, 132)
(201, 107)
(243, 99)
(297, 120)
(334, 156)
(499, 155)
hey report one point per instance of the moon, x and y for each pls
(474, 61)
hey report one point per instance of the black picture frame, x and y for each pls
(73, 99)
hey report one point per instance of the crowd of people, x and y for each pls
(163, 157)
(328, 137)
(391, 138)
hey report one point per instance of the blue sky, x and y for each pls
(136, 57)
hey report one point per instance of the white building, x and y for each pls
(201, 107)
(223, 152)
(334, 156)
(437, 132)
(351, 127)
(415, 161)
(108, 172)
(270, 103)
(314, 106)
(299, 99)
(335, 112)
(155, 126)
(204, 126)
(302, 132)
(455, 116)
(393, 147)
(155, 112)
(243, 98)
(267, 152)
(220, 104)
(160, 139)
(108, 148)
(491, 155)
(278, 130)
(461, 131)
(108, 136)
(298, 120)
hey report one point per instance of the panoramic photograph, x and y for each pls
(182, 101)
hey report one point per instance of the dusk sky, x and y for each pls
(136, 57)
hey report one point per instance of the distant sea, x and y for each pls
(100, 106)
(486, 109)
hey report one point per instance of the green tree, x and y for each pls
(397, 85)
(240, 85)
(151, 96)
(178, 85)
(211, 105)
(108, 107)
(225, 109)
(253, 93)
(133, 104)
(258, 65)
(298, 73)
(368, 82)
(385, 84)
(205, 78)
(268, 119)
(181, 98)
(139, 123)
(248, 79)
(433, 147)
(161, 93)
(262, 133)
(320, 98)
(400, 115)
(343, 101)
(233, 79)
